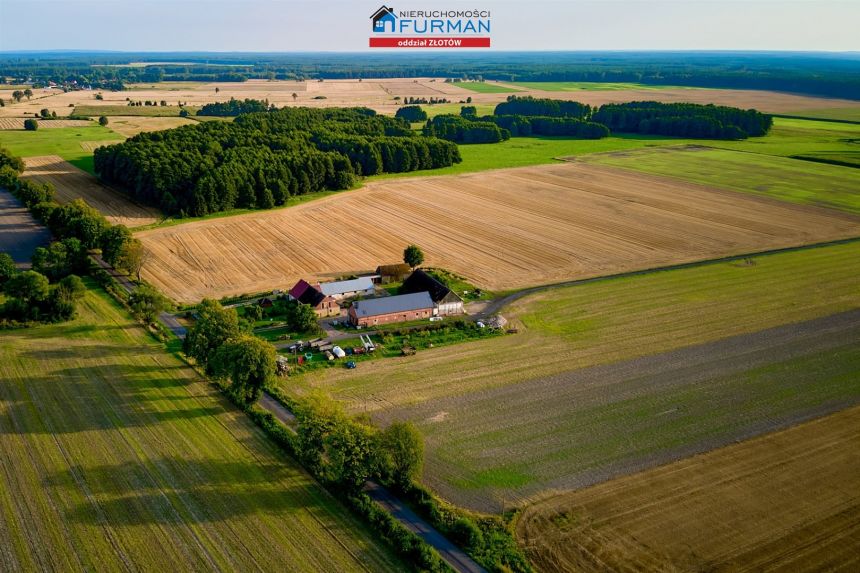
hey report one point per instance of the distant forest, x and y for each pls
(833, 75)
(528, 116)
(262, 159)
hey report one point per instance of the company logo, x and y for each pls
(430, 28)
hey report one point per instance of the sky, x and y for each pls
(335, 25)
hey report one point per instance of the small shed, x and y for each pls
(392, 273)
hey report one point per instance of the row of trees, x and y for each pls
(525, 126)
(77, 226)
(531, 106)
(683, 119)
(31, 298)
(234, 107)
(262, 159)
(411, 113)
(463, 130)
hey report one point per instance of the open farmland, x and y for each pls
(379, 94)
(118, 456)
(620, 374)
(71, 183)
(557, 222)
(785, 501)
(70, 143)
(787, 179)
(129, 126)
(18, 123)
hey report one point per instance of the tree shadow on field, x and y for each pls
(102, 397)
(172, 490)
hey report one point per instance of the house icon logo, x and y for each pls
(382, 17)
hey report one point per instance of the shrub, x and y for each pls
(31, 124)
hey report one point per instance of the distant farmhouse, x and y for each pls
(382, 17)
(446, 301)
(390, 309)
(322, 304)
(362, 286)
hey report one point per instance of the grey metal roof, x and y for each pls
(340, 287)
(390, 304)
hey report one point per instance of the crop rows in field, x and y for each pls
(784, 501)
(18, 123)
(118, 456)
(71, 183)
(555, 222)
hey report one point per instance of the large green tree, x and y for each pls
(413, 256)
(28, 286)
(401, 448)
(248, 363)
(214, 327)
(7, 268)
(147, 302)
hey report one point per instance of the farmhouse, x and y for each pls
(323, 305)
(392, 273)
(446, 301)
(390, 309)
(362, 286)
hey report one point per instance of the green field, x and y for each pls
(842, 113)
(788, 137)
(492, 436)
(592, 86)
(145, 110)
(62, 141)
(485, 87)
(793, 180)
(116, 455)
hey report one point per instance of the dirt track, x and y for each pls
(556, 222)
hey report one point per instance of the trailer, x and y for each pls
(367, 343)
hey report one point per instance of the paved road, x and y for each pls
(20, 233)
(169, 320)
(452, 554)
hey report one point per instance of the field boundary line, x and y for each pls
(496, 306)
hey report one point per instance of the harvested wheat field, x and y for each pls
(129, 126)
(72, 183)
(18, 123)
(787, 501)
(502, 229)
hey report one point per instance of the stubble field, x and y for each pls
(785, 501)
(117, 456)
(72, 183)
(18, 123)
(557, 222)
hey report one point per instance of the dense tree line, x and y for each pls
(77, 226)
(530, 106)
(464, 130)
(411, 113)
(262, 159)
(525, 126)
(683, 120)
(833, 75)
(234, 107)
(30, 298)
